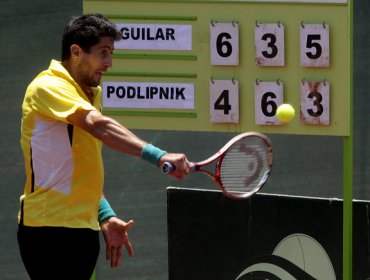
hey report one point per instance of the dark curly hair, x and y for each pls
(86, 31)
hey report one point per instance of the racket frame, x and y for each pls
(219, 156)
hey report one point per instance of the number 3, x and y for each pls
(269, 44)
(317, 99)
(315, 102)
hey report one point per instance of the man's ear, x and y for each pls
(76, 51)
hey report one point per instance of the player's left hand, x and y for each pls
(115, 235)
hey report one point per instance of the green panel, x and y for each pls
(171, 67)
(316, 2)
(151, 74)
(151, 113)
(153, 56)
(150, 17)
(348, 176)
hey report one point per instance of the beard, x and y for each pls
(89, 78)
(91, 81)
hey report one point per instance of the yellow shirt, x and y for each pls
(64, 169)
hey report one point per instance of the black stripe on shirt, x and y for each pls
(70, 132)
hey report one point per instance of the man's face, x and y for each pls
(93, 64)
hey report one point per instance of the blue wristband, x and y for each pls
(105, 211)
(152, 154)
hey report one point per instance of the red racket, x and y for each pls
(243, 165)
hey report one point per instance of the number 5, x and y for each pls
(315, 51)
(311, 44)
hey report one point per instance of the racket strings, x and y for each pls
(245, 166)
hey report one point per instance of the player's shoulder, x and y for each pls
(47, 81)
(55, 75)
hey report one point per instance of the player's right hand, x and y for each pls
(179, 161)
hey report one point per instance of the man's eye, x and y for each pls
(105, 53)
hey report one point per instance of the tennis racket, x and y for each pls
(242, 167)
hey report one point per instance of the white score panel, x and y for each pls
(269, 44)
(224, 43)
(224, 101)
(315, 103)
(315, 47)
(268, 97)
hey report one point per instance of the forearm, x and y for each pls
(109, 131)
(117, 137)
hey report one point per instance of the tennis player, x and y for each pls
(63, 208)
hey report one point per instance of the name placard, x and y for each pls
(154, 37)
(148, 95)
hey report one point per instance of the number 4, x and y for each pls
(224, 101)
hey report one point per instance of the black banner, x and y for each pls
(265, 237)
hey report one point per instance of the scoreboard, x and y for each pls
(226, 66)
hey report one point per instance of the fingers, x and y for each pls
(129, 248)
(113, 257)
(114, 254)
(116, 257)
(182, 170)
(126, 241)
(114, 246)
(119, 257)
(129, 225)
(108, 253)
(180, 162)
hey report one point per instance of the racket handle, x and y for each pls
(168, 168)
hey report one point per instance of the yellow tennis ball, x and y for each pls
(285, 113)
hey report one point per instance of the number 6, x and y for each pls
(224, 43)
